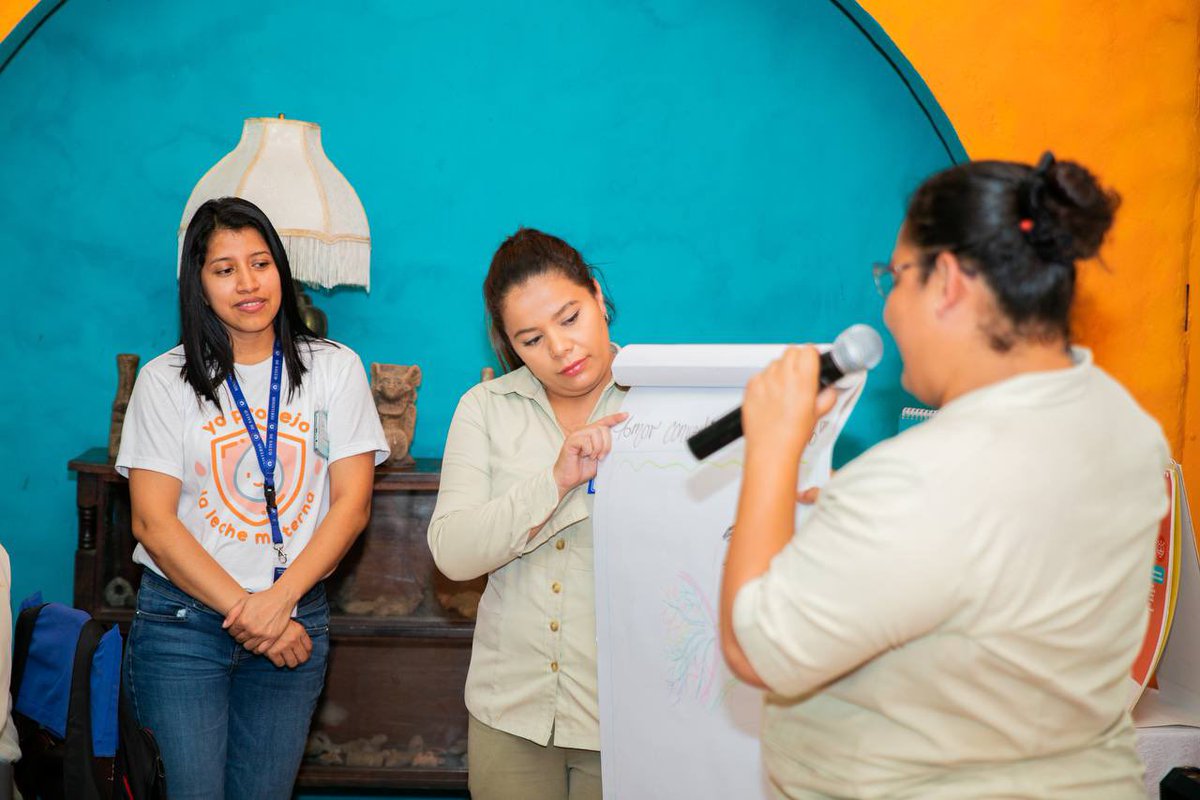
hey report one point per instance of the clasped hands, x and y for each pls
(262, 623)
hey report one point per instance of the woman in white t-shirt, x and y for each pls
(226, 655)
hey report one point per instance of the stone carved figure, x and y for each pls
(394, 387)
(127, 364)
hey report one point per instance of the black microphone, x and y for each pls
(855, 349)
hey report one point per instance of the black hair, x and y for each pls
(524, 255)
(207, 348)
(1020, 228)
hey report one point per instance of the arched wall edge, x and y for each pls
(943, 128)
(12, 41)
(27, 27)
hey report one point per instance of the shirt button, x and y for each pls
(554, 666)
(556, 587)
(560, 544)
(554, 625)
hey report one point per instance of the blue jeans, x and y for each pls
(229, 724)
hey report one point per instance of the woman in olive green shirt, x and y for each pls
(514, 504)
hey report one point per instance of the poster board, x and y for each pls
(674, 723)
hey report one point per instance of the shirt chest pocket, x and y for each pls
(582, 559)
(509, 466)
(576, 546)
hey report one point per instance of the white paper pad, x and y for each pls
(674, 723)
(694, 365)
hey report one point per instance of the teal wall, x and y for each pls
(734, 167)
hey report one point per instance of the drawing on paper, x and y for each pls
(681, 466)
(695, 668)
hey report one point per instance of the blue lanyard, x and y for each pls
(265, 452)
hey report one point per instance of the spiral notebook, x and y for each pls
(912, 415)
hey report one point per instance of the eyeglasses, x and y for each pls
(885, 276)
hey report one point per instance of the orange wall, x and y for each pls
(12, 12)
(1112, 84)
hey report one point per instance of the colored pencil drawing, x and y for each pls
(695, 669)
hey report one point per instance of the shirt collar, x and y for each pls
(1038, 388)
(519, 381)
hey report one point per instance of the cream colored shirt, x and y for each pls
(9, 749)
(533, 661)
(958, 617)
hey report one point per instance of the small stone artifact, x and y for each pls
(374, 752)
(394, 387)
(127, 364)
(465, 602)
(405, 597)
(119, 593)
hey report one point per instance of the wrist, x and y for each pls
(286, 590)
(232, 599)
(559, 484)
(772, 466)
(779, 452)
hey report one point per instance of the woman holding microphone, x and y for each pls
(958, 616)
(514, 504)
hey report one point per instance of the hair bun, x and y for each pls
(1070, 209)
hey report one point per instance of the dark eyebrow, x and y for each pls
(231, 258)
(556, 314)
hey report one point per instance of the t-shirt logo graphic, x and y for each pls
(238, 477)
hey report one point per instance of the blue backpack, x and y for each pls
(66, 683)
(79, 735)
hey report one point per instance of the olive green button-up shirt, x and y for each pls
(533, 662)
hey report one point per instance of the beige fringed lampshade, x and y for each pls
(280, 166)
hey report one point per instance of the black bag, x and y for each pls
(1181, 783)
(67, 769)
(138, 773)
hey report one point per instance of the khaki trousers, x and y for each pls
(501, 766)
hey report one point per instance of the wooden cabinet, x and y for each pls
(400, 632)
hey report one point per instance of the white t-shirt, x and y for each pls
(168, 430)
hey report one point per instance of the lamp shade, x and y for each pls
(280, 166)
